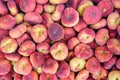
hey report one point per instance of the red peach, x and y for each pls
(39, 8)
(118, 63)
(3, 8)
(57, 1)
(3, 33)
(41, 1)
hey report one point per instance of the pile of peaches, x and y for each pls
(59, 39)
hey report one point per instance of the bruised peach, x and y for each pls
(86, 35)
(92, 14)
(8, 45)
(23, 66)
(33, 18)
(19, 18)
(37, 59)
(31, 76)
(63, 70)
(7, 22)
(70, 17)
(3, 8)
(83, 51)
(27, 5)
(57, 1)
(38, 33)
(39, 8)
(18, 31)
(5, 66)
(26, 48)
(50, 66)
(41, 1)
(55, 32)
(59, 51)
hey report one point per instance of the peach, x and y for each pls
(63, 70)
(5, 66)
(106, 7)
(113, 20)
(39, 8)
(2, 55)
(83, 51)
(13, 57)
(18, 31)
(114, 75)
(55, 31)
(5, 77)
(23, 66)
(26, 48)
(74, 41)
(69, 33)
(103, 54)
(102, 36)
(31, 76)
(33, 18)
(93, 44)
(19, 18)
(3, 33)
(49, 8)
(83, 5)
(12, 7)
(43, 47)
(8, 45)
(70, 17)
(82, 75)
(56, 16)
(116, 3)
(3, 8)
(38, 70)
(23, 38)
(70, 77)
(50, 66)
(102, 75)
(93, 65)
(59, 51)
(118, 64)
(73, 3)
(47, 76)
(7, 22)
(102, 23)
(39, 33)
(118, 30)
(37, 59)
(27, 5)
(92, 14)
(80, 25)
(76, 64)
(41, 1)
(113, 45)
(86, 35)
(57, 1)
(70, 55)
(47, 19)
(109, 64)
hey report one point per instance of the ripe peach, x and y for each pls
(93, 44)
(102, 36)
(18, 31)
(86, 35)
(33, 18)
(3, 33)
(70, 17)
(3, 8)
(41, 1)
(92, 14)
(116, 3)
(50, 66)
(76, 64)
(8, 45)
(19, 18)
(7, 22)
(63, 70)
(38, 33)
(26, 48)
(27, 5)
(114, 75)
(39, 8)
(23, 66)
(37, 59)
(57, 1)
(55, 31)
(59, 51)
(49, 8)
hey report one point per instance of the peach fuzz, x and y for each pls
(12, 7)
(26, 48)
(8, 45)
(77, 64)
(21, 66)
(7, 22)
(3, 8)
(39, 33)
(37, 59)
(19, 18)
(18, 31)
(50, 66)
(59, 51)
(57, 1)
